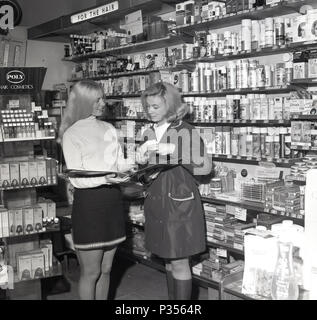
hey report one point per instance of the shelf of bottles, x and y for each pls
(228, 17)
(132, 48)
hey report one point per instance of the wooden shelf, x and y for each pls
(21, 236)
(55, 271)
(283, 163)
(171, 40)
(240, 123)
(221, 93)
(27, 187)
(300, 117)
(228, 20)
(220, 244)
(252, 207)
(125, 74)
(27, 139)
(268, 51)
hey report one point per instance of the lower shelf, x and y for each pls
(55, 271)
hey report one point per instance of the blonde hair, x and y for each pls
(80, 104)
(176, 109)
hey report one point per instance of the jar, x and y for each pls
(214, 44)
(289, 72)
(215, 183)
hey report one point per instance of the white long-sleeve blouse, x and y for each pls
(91, 144)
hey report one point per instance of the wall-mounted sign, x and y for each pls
(96, 12)
(21, 80)
(10, 14)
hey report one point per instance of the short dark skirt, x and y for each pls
(98, 218)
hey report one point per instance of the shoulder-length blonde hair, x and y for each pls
(80, 104)
(176, 109)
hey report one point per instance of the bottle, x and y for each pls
(284, 285)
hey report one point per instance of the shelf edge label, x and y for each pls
(96, 12)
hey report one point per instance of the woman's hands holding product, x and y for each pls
(112, 179)
(165, 148)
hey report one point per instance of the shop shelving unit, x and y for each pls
(25, 192)
(183, 34)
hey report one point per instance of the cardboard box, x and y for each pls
(312, 64)
(14, 174)
(45, 251)
(11, 214)
(5, 175)
(5, 222)
(41, 172)
(33, 178)
(300, 29)
(24, 173)
(37, 265)
(51, 209)
(48, 243)
(180, 13)
(24, 266)
(312, 24)
(28, 222)
(43, 205)
(37, 218)
(18, 221)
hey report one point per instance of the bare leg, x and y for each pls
(103, 282)
(182, 279)
(90, 262)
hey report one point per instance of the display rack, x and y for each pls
(34, 78)
(185, 33)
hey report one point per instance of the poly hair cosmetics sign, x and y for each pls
(10, 14)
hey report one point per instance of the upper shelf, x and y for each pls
(60, 28)
(133, 47)
(228, 20)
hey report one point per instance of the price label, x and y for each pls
(221, 253)
(241, 214)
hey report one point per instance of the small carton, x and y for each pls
(180, 14)
(18, 221)
(11, 214)
(37, 265)
(300, 32)
(37, 218)
(48, 171)
(33, 178)
(51, 209)
(28, 222)
(312, 64)
(14, 174)
(24, 173)
(45, 251)
(48, 243)
(41, 172)
(43, 205)
(5, 222)
(312, 24)
(5, 175)
(24, 266)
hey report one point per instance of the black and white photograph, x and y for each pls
(153, 151)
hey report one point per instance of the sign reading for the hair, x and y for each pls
(96, 12)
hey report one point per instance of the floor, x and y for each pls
(129, 281)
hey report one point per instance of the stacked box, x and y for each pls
(28, 221)
(4, 222)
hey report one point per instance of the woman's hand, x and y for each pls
(165, 148)
(111, 179)
(141, 157)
